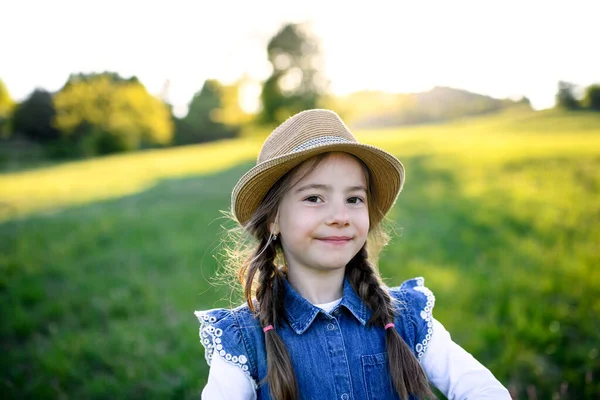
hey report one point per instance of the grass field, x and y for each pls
(103, 262)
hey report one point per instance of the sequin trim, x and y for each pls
(320, 141)
(210, 337)
(426, 314)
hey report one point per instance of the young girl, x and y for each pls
(319, 323)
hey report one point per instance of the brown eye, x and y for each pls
(313, 199)
(355, 200)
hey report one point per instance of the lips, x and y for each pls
(336, 239)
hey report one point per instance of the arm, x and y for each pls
(227, 382)
(455, 372)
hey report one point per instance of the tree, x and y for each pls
(107, 113)
(205, 118)
(565, 97)
(7, 105)
(34, 117)
(296, 83)
(231, 112)
(592, 97)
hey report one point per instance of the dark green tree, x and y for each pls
(34, 117)
(296, 83)
(202, 122)
(565, 97)
(592, 97)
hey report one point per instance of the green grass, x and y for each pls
(69, 184)
(103, 262)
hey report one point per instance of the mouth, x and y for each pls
(337, 240)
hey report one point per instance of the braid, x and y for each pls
(366, 284)
(268, 280)
(407, 375)
(269, 297)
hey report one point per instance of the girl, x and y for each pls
(319, 323)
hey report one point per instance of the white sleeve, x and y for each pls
(455, 372)
(227, 382)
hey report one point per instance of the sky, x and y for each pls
(499, 48)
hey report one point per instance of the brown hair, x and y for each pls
(255, 257)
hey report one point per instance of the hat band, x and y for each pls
(320, 141)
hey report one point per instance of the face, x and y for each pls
(323, 217)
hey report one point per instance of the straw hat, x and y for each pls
(303, 136)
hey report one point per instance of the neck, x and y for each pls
(317, 287)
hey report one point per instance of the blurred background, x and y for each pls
(124, 126)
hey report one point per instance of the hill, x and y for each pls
(373, 109)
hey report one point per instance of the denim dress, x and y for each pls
(335, 355)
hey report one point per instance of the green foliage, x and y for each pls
(501, 215)
(6, 108)
(565, 97)
(296, 83)
(231, 112)
(592, 97)
(34, 117)
(202, 122)
(106, 113)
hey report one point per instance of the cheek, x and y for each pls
(296, 222)
(302, 219)
(362, 222)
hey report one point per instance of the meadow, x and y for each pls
(103, 262)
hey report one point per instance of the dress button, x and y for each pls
(345, 396)
(331, 327)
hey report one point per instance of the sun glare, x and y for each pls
(250, 97)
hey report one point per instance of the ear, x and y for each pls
(273, 228)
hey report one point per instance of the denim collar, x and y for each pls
(301, 313)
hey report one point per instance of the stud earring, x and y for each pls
(274, 237)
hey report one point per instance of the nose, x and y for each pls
(338, 214)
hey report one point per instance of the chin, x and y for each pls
(335, 265)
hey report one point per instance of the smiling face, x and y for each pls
(323, 217)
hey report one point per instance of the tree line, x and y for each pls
(567, 97)
(102, 113)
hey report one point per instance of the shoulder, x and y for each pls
(229, 333)
(415, 301)
(414, 293)
(237, 318)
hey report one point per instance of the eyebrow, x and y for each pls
(328, 188)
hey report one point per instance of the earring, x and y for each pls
(274, 237)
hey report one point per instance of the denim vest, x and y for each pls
(335, 355)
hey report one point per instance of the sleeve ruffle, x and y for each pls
(220, 334)
(419, 301)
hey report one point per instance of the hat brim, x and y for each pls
(386, 173)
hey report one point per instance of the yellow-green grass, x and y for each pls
(482, 142)
(81, 182)
(500, 214)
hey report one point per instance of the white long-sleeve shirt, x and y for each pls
(451, 369)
